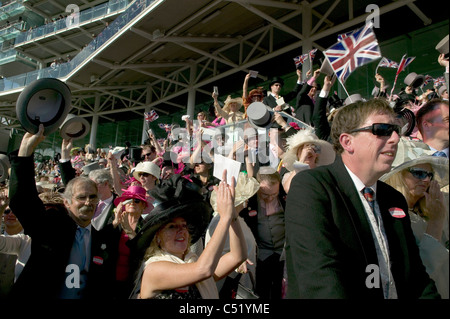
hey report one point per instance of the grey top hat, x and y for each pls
(353, 98)
(442, 46)
(414, 80)
(90, 167)
(442, 89)
(259, 115)
(4, 166)
(44, 101)
(74, 127)
(326, 68)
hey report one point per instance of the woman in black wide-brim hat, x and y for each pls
(170, 270)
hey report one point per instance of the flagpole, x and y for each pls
(393, 86)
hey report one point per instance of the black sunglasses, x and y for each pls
(7, 211)
(421, 173)
(379, 129)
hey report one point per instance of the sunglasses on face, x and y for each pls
(421, 173)
(135, 200)
(7, 211)
(145, 155)
(380, 129)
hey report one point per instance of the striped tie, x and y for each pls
(368, 195)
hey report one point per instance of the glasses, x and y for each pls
(7, 211)
(379, 129)
(276, 84)
(145, 155)
(84, 198)
(421, 173)
(314, 147)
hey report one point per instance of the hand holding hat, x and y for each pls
(31, 141)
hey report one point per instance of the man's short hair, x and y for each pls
(101, 175)
(68, 192)
(352, 116)
(427, 108)
(268, 174)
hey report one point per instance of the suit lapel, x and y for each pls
(355, 209)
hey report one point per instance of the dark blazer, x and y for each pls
(322, 128)
(329, 242)
(304, 106)
(52, 234)
(270, 100)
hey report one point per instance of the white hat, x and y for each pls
(147, 167)
(326, 156)
(246, 187)
(410, 154)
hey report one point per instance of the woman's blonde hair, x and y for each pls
(155, 249)
(398, 182)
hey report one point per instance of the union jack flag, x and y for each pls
(405, 61)
(439, 81)
(166, 127)
(385, 62)
(356, 49)
(151, 116)
(299, 60)
(427, 80)
(312, 54)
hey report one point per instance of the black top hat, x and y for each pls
(4, 166)
(259, 115)
(276, 79)
(44, 101)
(335, 101)
(414, 80)
(176, 197)
(74, 127)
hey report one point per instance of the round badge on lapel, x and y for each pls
(74, 127)
(44, 101)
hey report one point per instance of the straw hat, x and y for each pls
(147, 167)
(326, 156)
(229, 100)
(246, 187)
(411, 153)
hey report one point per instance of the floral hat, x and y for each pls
(326, 156)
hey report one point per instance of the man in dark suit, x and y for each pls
(306, 98)
(264, 215)
(55, 269)
(340, 244)
(274, 98)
